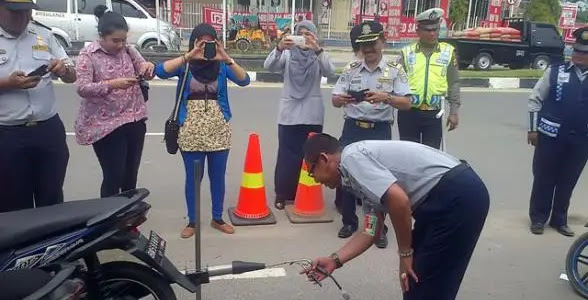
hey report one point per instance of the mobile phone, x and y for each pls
(209, 50)
(40, 71)
(298, 40)
(358, 96)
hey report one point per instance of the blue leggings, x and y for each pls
(217, 166)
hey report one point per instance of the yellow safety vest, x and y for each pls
(427, 77)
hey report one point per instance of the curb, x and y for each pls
(492, 83)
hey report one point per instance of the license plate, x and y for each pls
(155, 247)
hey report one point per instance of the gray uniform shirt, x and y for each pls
(310, 111)
(35, 47)
(369, 168)
(387, 77)
(453, 91)
(541, 92)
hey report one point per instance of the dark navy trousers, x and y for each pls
(447, 227)
(291, 139)
(557, 165)
(351, 134)
(33, 163)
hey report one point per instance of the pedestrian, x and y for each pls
(369, 91)
(558, 129)
(434, 77)
(113, 111)
(444, 195)
(204, 116)
(33, 148)
(301, 105)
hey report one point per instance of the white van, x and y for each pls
(69, 25)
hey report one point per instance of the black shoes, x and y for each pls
(538, 228)
(564, 230)
(346, 231)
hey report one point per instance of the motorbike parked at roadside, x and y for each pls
(577, 265)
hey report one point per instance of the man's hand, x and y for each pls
(326, 264)
(376, 97)
(405, 270)
(122, 83)
(342, 100)
(311, 41)
(452, 122)
(532, 138)
(57, 67)
(18, 80)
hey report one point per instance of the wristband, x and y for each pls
(405, 253)
(338, 262)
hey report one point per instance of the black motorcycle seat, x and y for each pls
(34, 224)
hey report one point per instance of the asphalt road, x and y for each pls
(509, 262)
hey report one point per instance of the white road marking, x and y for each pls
(266, 273)
(563, 276)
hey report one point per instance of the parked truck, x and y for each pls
(539, 46)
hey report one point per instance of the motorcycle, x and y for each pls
(58, 282)
(76, 231)
(577, 265)
(79, 230)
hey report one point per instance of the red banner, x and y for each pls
(494, 14)
(567, 19)
(214, 17)
(176, 12)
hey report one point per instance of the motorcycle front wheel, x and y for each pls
(129, 281)
(577, 265)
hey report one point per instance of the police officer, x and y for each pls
(447, 199)
(434, 76)
(33, 149)
(558, 128)
(368, 90)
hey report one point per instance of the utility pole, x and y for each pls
(316, 9)
(469, 14)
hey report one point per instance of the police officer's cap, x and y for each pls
(369, 31)
(430, 18)
(581, 35)
(18, 4)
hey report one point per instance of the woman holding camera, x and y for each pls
(302, 62)
(113, 111)
(204, 115)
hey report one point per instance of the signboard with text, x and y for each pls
(214, 17)
(176, 12)
(568, 16)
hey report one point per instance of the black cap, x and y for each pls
(581, 35)
(354, 34)
(369, 31)
(18, 4)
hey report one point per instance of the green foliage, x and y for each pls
(458, 13)
(545, 11)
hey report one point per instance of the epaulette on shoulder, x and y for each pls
(352, 65)
(41, 24)
(393, 64)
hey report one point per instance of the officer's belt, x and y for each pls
(364, 124)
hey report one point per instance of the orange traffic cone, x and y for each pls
(309, 206)
(252, 208)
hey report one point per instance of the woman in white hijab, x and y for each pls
(301, 103)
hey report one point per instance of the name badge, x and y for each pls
(44, 48)
(563, 77)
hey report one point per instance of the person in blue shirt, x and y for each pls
(204, 116)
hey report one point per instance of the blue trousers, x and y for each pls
(557, 165)
(217, 166)
(447, 227)
(351, 134)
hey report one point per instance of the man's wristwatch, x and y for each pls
(338, 262)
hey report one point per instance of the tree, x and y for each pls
(458, 13)
(546, 11)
